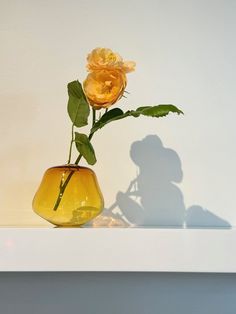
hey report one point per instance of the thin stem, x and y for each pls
(71, 144)
(78, 159)
(62, 189)
(64, 185)
(94, 117)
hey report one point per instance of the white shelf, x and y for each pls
(117, 249)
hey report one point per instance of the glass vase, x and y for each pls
(68, 196)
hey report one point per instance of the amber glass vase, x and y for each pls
(68, 196)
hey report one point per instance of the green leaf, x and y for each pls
(150, 111)
(157, 111)
(78, 107)
(111, 115)
(85, 148)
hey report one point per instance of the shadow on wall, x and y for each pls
(153, 198)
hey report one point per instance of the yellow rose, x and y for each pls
(104, 58)
(104, 87)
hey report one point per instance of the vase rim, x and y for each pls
(70, 166)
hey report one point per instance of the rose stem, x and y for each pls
(62, 189)
(64, 185)
(71, 143)
(90, 136)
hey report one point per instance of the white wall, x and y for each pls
(185, 54)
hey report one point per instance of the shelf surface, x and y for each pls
(117, 249)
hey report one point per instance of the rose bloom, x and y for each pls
(104, 58)
(104, 87)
